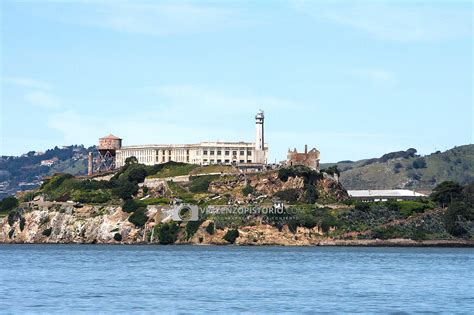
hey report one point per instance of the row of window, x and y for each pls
(212, 161)
(227, 153)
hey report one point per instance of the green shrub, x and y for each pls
(210, 229)
(327, 222)
(247, 190)
(22, 224)
(200, 184)
(156, 201)
(311, 194)
(167, 232)
(47, 232)
(457, 217)
(419, 163)
(446, 192)
(131, 205)
(174, 169)
(12, 216)
(137, 174)
(118, 237)
(91, 196)
(8, 203)
(191, 228)
(332, 170)
(408, 208)
(139, 217)
(309, 175)
(388, 232)
(362, 206)
(231, 235)
(125, 190)
(55, 182)
(290, 195)
(29, 196)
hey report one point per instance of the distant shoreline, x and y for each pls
(323, 243)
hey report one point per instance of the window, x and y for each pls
(242, 152)
(163, 152)
(241, 161)
(234, 152)
(187, 152)
(249, 161)
(227, 152)
(249, 153)
(219, 152)
(212, 152)
(227, 161)
(169, 152)
(212, 161)
(205, 160)
(162, 159)
(204, 152)
(219, 161)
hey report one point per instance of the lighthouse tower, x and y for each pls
(259, 138)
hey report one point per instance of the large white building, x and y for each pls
(203, 153)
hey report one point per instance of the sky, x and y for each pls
(353, 79)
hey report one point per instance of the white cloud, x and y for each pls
(27, 82)
(396, 21)
(43, 99)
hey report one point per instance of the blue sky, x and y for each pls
(353, 79)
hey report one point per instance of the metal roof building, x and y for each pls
(383, 195)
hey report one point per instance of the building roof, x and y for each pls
(111, 137)
(384, 193)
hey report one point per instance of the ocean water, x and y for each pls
(200, 279)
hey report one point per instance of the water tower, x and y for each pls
(107, 148)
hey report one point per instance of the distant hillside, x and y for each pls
(25, 172)
(406, 169)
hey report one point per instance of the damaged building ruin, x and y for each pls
(308, 158)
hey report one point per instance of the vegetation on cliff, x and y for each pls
(315, 207)
(406, 169)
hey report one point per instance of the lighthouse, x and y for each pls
(259, 138)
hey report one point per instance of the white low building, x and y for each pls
(203, 153)
(384, 195)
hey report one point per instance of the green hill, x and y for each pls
(406, 169)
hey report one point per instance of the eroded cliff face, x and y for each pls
(97, 224)
(100, 225)
(66, 224)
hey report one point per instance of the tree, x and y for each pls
(139, 217)
(231, 235)
(8, 203)
(210, 228)
(118, 237)
(131, 160)
(137, 174)
(419, 163)
(457, 218)
(131, 205)
(125, 190)
(446, 192)
(247, 190)
(167, 232)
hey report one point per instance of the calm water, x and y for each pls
(142, 279)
